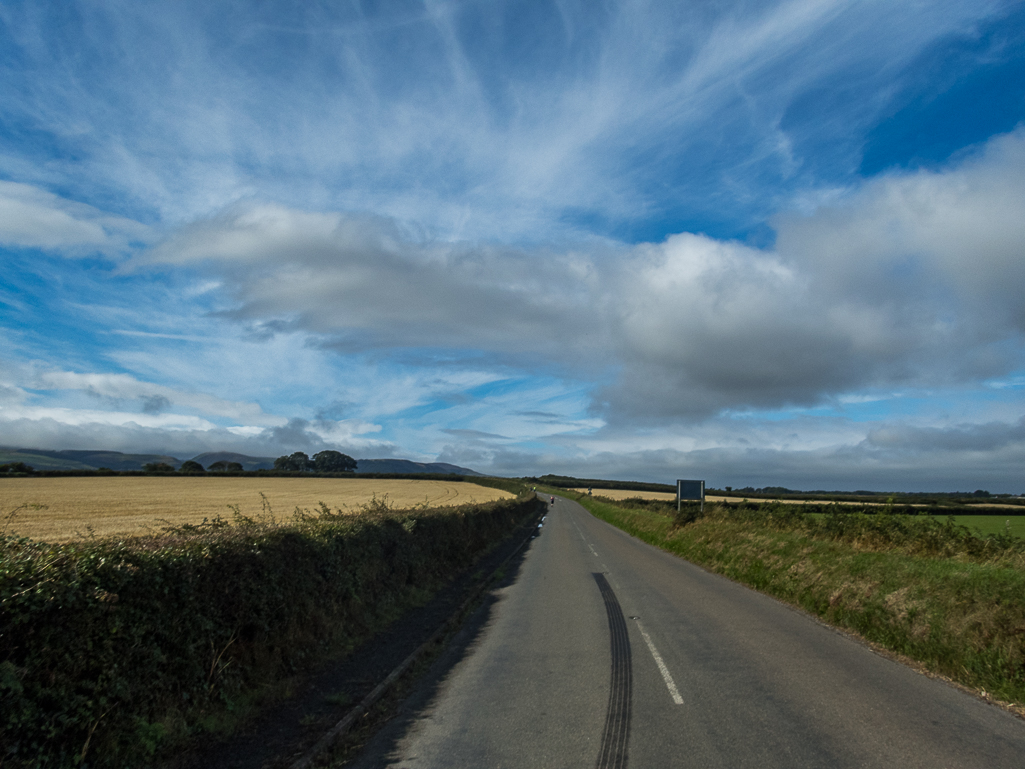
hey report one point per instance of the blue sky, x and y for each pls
(760, 243)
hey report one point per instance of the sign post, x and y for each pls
(690, 490)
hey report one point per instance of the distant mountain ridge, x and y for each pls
(248, 463)
(69, 459)
(407, 467)
(74, 459)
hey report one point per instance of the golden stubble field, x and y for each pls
(618, 494)
(64, 509)
(667, 496)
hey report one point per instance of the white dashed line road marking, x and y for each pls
(670, 684)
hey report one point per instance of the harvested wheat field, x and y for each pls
(64, 509)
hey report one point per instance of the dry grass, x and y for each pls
(64, 509)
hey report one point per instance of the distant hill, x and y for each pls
(406, 467)
(248, 463)
(42, 459)
(39, 461)
(388, 466)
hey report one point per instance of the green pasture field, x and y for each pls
(994, 524)
(984, 525)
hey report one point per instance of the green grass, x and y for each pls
(994, 524)
(982, 525)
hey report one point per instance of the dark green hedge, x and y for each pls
(109, 649)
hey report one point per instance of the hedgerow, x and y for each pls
(112, 649)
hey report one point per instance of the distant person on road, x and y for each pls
(553, 500)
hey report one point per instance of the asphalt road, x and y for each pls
(604, 652)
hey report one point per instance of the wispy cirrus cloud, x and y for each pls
(524, 233)
(476, 130)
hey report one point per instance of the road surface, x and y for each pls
(604, 652)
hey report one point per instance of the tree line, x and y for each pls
(190, 466)
(322, 462)
(297, 462)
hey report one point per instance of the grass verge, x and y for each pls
(929, 590)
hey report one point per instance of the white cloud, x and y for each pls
(54, 429)
(155, 398)
(951, 236)
(877, 457)
(11, 395)
(339, 194)
(84, 417)
(366, 283)
(33, 218)
(452, 117)
(911, 281)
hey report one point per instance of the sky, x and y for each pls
(756, 243)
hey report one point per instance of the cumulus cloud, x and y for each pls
(704, 325)
(922, 239)
(913, 279)
(311, 436)
(154, 404)
(365, 283)
(11, 395)
(984, 438)
(34, 218)
(154, 398)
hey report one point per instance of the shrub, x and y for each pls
(19, 468)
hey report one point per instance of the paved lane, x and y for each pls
(604, 652)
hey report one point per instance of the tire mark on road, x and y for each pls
(616, 734)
